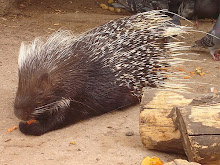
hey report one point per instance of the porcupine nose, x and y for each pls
(22, 108)
(22, 114)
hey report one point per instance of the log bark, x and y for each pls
(158, 130)
(199, 124)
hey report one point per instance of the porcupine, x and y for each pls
(65, 79)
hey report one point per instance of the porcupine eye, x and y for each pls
(44, 78)
(43, 83)
(40, 93)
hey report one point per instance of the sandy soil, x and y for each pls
(100, 140)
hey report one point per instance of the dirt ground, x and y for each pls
(100, 140)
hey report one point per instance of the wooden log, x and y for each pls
(200, 128)
(157, 117)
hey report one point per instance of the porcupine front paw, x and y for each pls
(40, 127)
(35, 129)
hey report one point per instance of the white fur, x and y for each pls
(49, 50)
(52, 107)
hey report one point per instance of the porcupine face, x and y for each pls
(33, 94)
(40, 89)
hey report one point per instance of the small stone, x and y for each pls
(129, 133)
(7, 140)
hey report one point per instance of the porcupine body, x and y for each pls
(66, 78)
